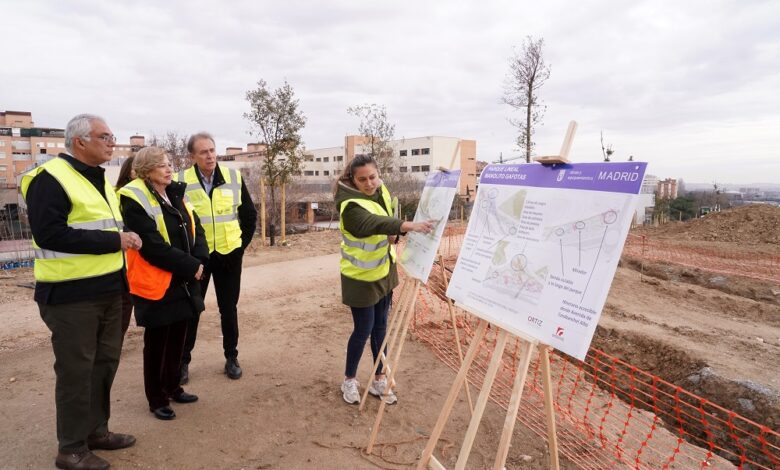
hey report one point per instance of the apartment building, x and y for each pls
(416, 157)
(667, 189)
(22, 145)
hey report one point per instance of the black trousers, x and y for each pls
(226, 271)
(86, 337)
(163, 347)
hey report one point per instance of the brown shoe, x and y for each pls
(81, 461)
(110, 441)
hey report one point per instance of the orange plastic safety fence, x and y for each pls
(609, 413)
(740, 263)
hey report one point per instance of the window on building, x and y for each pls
(326, 159)
(403, 169)
(3, 168)
(2, 154)
(42, 151)
(415, 169)
(403, 153)
(425, 168)
(316, 172)
(308, 173)
(318, 159)
(389, 170)
(415, 151)
(425, 151)
(309, 158)
(326, 172)
(340, 158)
(61, 145)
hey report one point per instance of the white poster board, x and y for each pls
(435, 204)
(542, 247)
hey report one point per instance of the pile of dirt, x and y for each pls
(750, 224)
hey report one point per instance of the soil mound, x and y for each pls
(750, 224)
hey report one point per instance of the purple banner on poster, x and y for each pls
(618, 177)
(442, 179)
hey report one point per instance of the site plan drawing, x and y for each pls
(542, 246)
(435, 204)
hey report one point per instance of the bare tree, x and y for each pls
(377, 131)
(277, 122)
(176, 147)
(606, 151)
(527, 74)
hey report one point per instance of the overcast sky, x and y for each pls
(691, 87)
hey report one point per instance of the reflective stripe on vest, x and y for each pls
(368, 258)
(146, 280)
(219, 213)
(89, 211)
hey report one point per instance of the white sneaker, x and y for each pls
(350, 389)
(378, 388)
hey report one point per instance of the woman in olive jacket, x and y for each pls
(165, 320)
(369, 301)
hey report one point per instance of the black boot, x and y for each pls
(232, 369)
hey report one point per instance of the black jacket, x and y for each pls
(181, 258)
(48, 206)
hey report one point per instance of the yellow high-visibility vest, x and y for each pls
(366, 259)
(89, 211)
(219, 213)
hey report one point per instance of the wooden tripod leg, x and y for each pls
(408, 292)
(514, 404)
(484, 395)
(552, 437)
(451, 309)
(444, 415)
(391, 378)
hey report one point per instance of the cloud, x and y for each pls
(657, 76)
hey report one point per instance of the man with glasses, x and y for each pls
(80, 277)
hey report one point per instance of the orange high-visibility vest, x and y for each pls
(146, 280)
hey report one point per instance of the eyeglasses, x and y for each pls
(107, 138)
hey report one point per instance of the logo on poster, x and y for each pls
(558, 333)
(560, 175)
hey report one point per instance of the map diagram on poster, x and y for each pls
(435, 204)
(542, 246)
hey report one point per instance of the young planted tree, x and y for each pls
(176, 147)
(378, 133)
(277, 122)
(527, 74)
(607, 151)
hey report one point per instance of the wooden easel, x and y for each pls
(395, 337)
(528, 344)
(400, 318)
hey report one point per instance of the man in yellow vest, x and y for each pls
(80, 278)
(229, 218)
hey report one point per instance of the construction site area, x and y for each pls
(683, 371)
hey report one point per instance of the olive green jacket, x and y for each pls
(361, 223)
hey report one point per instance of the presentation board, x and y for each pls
(542, 247)
(435, 204)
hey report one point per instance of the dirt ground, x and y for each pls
(717, 336)
(285, 413)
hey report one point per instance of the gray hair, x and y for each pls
(79, 126)
(196, 137)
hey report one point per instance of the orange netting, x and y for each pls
(740, 263)
(608, 412)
